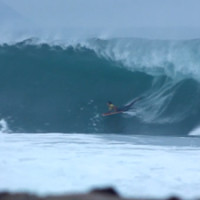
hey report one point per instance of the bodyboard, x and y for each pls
(112, 113)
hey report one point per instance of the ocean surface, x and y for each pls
(54, 139)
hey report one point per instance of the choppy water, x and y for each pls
(137, 166)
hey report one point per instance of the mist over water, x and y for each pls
(130, 18)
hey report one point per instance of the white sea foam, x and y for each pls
(60, 163)
(4, 128)
(195, 131)
(176, 59)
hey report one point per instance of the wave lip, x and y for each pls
(175, 59)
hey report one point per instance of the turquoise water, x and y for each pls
(64, 87)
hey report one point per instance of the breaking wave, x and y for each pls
(64, 86)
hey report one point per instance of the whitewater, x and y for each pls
(54, 139)
(65, 163)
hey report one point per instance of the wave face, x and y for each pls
(64, 87)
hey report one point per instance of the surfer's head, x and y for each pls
(109, 102)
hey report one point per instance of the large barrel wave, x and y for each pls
(64, 88)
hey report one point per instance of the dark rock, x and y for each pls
(105, 191)
(173, 198)
(96, 194)
(3, 194)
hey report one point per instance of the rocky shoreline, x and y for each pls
(96, 194)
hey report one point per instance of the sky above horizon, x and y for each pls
(140, 13)
(108, 14)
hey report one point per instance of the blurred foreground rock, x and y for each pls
(96, 194)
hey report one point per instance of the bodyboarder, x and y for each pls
(111, 107)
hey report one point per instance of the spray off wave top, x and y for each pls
(174, 58)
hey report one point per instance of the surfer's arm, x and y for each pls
(115, 108)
